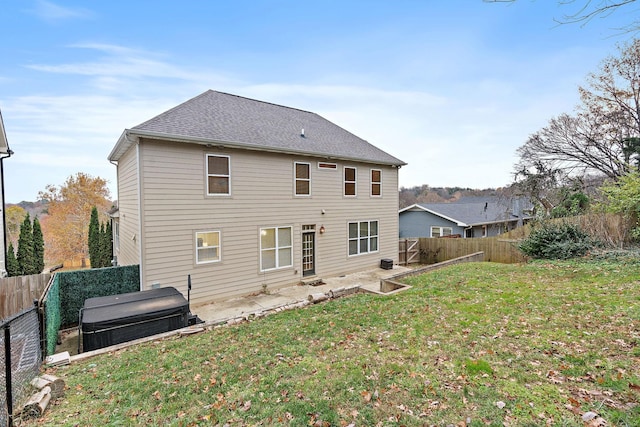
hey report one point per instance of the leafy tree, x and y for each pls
(38, 247)
(94, 239)
(573, 202)
(107, 245)
(13, 268)
(631, 151)
(100, 241)
(69, 208)
(623, 197)
(14, 217)
(25, 248)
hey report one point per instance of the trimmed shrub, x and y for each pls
(552, 240)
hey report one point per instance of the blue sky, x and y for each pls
(452, 87)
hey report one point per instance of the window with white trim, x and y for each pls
(376, 182)
(276, 248)
(349, 181)
(218, 175)
(302, 179)
(363, 237)
(441, 231)
(207, 247)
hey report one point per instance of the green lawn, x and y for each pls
(470, 345)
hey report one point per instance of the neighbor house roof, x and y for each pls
(222, 119)
(470, 211)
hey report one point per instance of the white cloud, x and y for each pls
(463, 134)
(52, 13)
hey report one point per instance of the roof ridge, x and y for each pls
(172, 109)
(262, 102)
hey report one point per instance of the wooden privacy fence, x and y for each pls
(18, 293)
(496, 249)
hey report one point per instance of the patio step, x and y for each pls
(312, 281)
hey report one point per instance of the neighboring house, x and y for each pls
(247, 196)
(467, 217)
(4, 153)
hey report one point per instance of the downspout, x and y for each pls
(4, 211)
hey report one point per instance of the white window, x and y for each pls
(349, 181)
(363, 237)
(207, 247)
(302, 179)
(276, 249)
(218, 175)
(441, 231)
(376, 182)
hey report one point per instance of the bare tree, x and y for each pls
(587, 10)
(600, 138)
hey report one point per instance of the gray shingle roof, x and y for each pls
(234, 121)
(478, 210)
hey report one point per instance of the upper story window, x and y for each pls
(207, 247)
(376, 182)
(302, 179)
(218, 175)
(349, 181)
(276, 248)
(363, 237)
(441, 231)
(327, 166)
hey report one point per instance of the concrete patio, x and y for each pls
(368, 281)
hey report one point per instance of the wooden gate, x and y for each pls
(409, 251)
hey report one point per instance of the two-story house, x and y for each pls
(246, 196)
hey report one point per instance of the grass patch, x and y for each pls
(550, 340)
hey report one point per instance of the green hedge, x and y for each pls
(77, 286)
(52, 315)
(69, 289)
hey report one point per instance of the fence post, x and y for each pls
(406, 251)
(7, 369)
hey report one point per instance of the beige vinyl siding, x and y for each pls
(128, 252)
(175, 206)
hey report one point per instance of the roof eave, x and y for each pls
(458, 223)
(125, 141)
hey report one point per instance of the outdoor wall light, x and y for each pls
(322, 229)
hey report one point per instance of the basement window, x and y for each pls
(207, 247)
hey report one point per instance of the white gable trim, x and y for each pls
(416, 206)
